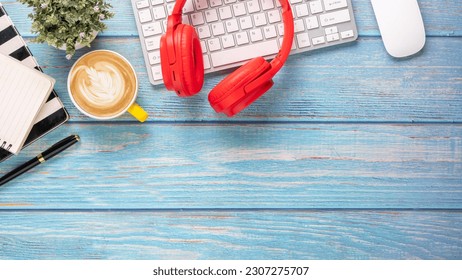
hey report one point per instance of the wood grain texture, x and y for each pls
(231, 235)
(352, 155)
(442, 18)
(246, 166)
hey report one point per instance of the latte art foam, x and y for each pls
(103, 84)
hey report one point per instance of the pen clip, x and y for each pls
(76, 137)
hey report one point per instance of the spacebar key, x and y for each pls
(239, 54)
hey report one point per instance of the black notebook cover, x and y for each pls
(53, 113)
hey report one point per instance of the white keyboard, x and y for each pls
(235, 31)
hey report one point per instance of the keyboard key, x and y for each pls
(157, 2)
(330, 5)
(152, 28)
(319, 40)
(267, 4)
(225, 12)
(218, 29)
(142, 4)
(242, 38)
(215, 3)
(256, 35)
(335, 17)
(188, 7)
(246, 22)
(145, 15)
(152, 43)
(229, 1)
(253, 6)
(294, 45)
(228, 41)
(303, 40)
(185, 19)
(231, 25)
(331, 30)
(294, 1)
(347, 34)
(259, 19)
(281, 29)
(332, 37)
(244, 53)
(316, 7)
(298, 25)
(203, 31)
(302, 10)
(312, 22)
(156, 72)
(270, 31)
(154, 57)
(203, 46)
(197, 18)
(214, 44)
(211, 15)
(274, 16)
(201, 4)
(239, 9)
(159, 12)
(206, 62)
(170, 8)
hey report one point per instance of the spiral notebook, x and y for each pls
(23, 91)
(52, 114)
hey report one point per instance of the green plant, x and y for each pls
(65, 23)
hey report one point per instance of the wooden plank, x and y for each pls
(440, 19)
(311, 87)
(231, 235)
(165, 166)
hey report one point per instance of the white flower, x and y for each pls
(68, 57)
(96, 8)
(44, 5)
(81, 35)
(101, 16)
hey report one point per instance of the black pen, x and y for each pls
(41, 158)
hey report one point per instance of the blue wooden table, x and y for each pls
(352, 155)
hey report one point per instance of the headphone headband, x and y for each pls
(283, 54)
(288, 38)
(178, 8)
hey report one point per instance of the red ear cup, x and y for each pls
(167, 71)
(186, 74)
(192, 61)
(230, 97)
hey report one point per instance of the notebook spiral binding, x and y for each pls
(4, 145)
(53, 114)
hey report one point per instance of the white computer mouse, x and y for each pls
(401, 26)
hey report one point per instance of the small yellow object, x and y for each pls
(138, 112)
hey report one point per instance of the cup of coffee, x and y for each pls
(103, 85)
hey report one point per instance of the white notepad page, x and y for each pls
(23, 91)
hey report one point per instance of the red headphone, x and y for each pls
(183, 65)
